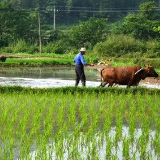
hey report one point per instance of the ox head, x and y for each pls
(148, 71)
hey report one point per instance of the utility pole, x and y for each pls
(39, 31)
(54, 18)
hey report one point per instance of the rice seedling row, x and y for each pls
(88, 125)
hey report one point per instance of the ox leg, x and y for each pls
(129, 84)
(110, 84)
(102, 81)
(103, 84)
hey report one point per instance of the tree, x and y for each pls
(147, 10)
(90, 32)
(141, 25)
(14, 25)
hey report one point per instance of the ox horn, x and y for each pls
(148, 65)
(139, 71)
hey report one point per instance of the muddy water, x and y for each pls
(49, 77)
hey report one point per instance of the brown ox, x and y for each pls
(126, 75)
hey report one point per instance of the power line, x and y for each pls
(105, 10)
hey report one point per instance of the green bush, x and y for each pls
(147, 61)
(127, 46)
(49, 48)
(20, 47)
(32, 49)
(118, 45)
(58, 47)
(6, 50)
(152, 49)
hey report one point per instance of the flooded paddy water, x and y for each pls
(102, 146)
(47, 77)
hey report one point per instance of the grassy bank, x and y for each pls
(31, 60)
(35, 62)
(79, 123)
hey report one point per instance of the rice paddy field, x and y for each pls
(79, 123)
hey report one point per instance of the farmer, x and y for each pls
(79, 68)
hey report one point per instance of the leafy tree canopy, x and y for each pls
(89, 32)
(142, 25)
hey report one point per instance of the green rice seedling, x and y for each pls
(36, 124)
(24, 146)
(25, 138)
(107, 122)
(90, 132)
(108, 147)
(156, 143)
(75, 150)
(10, 149)
(156, 122)
(134, 156)
(132, 122)
(119, 125)
(83, 116)
(47, 125)
(7, 134)
(94, 151)
(143, 146)
(126, 148)
(71, 116)
(109, 112)
(43, 148)
(114, 157)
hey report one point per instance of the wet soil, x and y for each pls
(153, 81)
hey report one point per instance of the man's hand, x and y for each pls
(90, 64)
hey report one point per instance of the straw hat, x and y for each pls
(83, 49)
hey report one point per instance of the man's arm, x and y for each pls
(83, 61)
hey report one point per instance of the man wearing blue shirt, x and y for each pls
(79, 69)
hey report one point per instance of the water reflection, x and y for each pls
(84, 145)
(45, 77)
(67, 73)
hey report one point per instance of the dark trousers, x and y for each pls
(80, 75)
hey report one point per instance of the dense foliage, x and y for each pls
(142, 25)
(110, 28)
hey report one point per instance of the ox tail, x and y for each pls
(101, 76)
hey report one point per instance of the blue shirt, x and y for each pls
(79, 59)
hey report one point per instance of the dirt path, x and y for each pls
(154, 81)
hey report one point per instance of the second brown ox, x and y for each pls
(126, 75)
